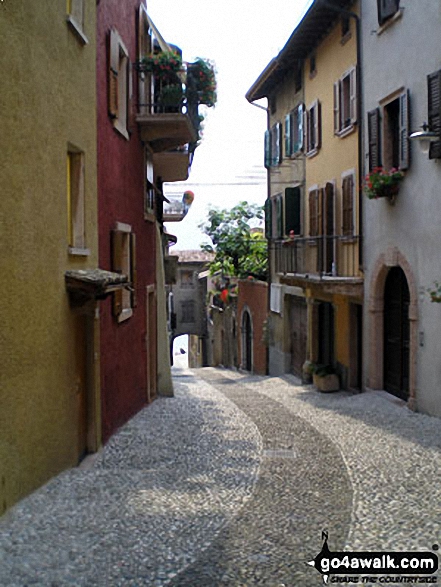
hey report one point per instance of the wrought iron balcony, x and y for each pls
(166, 117)
(319, 257)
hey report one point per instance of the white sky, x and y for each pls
(241, 37)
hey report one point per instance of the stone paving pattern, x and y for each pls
(231, 483)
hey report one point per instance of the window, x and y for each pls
(298, 76)
(386, 9)
(312, 66)
(434, 111)
(150, 192)
(123, 243)
(188, 311)
(389, 138)
(75, 19)
(294, 131)
(345, 102)
(118, 83)
(348, 198)
(313, 128)
(273, 146)
(75, 203)
(345, 26)
(187, 280)
(293, 219)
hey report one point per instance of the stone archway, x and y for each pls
(391, 258)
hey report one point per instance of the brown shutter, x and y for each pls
(113, 74)
(374, 138)
(318, 126)
(348, 206)
(329, 209)
(313, 228)
(117, 243)
(320, 215)
(404, 150)
(434, 111)
(353, 95)
(133, 270)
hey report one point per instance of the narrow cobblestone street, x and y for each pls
(231, 483)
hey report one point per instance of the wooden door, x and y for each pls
(326, 334)
(151, 343)
(298, 326)
(396, 334)
(247, 342)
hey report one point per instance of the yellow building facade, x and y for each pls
(332, 200)
(49, 398)
(313, 221)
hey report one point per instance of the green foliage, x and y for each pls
(238, 250)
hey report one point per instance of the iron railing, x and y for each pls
(321, 256)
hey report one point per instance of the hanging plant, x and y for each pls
(201, 79)
(380, 183)
(435, 292)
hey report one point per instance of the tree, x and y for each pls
(238, 244)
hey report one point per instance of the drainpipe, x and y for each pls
(356, 17)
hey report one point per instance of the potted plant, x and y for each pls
(380, 183)
(325, 378)
(435, 293)
(165, 65)
(171, 95)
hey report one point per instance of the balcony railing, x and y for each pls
(321, 256)
(175, 210)
(167, 117)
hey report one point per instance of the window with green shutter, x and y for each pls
(288, 143)
(293, 211)
(434, 111)
(267, 149)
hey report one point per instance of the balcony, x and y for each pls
(173, 165)
(175, 209)
(166, 118)
(328, 258)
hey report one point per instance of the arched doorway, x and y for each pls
(247, 341)
(396, 330)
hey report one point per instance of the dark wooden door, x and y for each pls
(298, 324)
(247, 338)
(396, 334)
(326, 334)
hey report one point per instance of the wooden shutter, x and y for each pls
(133, 270)
(298, 122)
(307, 130)
(348, 206)
(279, 207)
(117, 245)
(318, 125)
(293, 211)
(386, 9)
(320, 215)
(277, 155)
(404, 147)
(313, 213)
(337, 124)
(267, 149)
(113, 74)
(434, 111)
(268, 219)
(353, 94)
(374, 139)
(288, 143)
(328, 206)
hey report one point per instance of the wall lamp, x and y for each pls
(425, 137)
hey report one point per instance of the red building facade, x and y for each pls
(127, 236)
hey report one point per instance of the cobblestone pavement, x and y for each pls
(231, 483)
